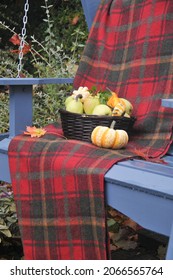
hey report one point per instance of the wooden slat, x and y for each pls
(35, 81)
(167, 103)
(90, 8)
(142, 180)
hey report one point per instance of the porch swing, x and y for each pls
(20, 92)
(128, 184)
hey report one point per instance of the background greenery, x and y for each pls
(56, 32)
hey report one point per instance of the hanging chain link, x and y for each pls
(22, 41)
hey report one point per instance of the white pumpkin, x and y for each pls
(106, 137)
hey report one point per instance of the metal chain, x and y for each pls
(22, 41)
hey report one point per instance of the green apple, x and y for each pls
(90, 103)
(102, 109)
(68, 99)
(129, 106)
(75, 106)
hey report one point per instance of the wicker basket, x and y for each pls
(80, 126)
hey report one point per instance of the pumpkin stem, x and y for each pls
(113, 124)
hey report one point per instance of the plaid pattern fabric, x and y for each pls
(59, 191)
(59, 184)
(129, 50)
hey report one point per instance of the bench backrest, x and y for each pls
(90, 8)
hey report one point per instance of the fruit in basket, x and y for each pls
(126, 115)
(128, 105)
(75, 106)
(68, 99)
(90, 103)
(102, 110)
(106, 137)
(119, 109)
(84, 91)
(113, 100)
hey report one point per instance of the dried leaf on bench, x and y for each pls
(34, 132)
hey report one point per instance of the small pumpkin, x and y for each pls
(106, 137)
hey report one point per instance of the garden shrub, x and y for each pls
(53, 50)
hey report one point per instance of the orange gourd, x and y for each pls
(106, 137)
(113, 100)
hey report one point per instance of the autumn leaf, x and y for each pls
(75, 20)
(21, 75)
(132, 224)
(34, 132)
(25, 50)
(15, 39)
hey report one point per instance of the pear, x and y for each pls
(75, 106)
(102, 109)
(90, 103)
(68, 99)
(128, 105)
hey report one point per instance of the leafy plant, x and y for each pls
(4, 111)
(8, 215)
(45, 58)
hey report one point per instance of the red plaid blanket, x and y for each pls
(130, 51)
(59, 190)
(59, 184)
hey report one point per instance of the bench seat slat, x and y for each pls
(150, 211)
(134, 178)
(151, 167)
(167, 103)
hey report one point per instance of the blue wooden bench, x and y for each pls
(144, 193)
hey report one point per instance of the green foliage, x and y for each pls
(47, 101)
(55, 50)
(66, 13)
(8, 215)
(4, 112)
(103, 95)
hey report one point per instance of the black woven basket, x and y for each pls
(80, 126)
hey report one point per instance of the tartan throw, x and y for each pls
(58, 184)
(130, 51)
(59, 191)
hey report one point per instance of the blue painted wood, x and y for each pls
(4, 165)
(20, 112)
(90, 8)
(143, 191)
(164, 169)
(20, 108)
(167, 103)
(159, 184)
(169, 253)
(151, 211)
(35, 81)
(3, 135)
